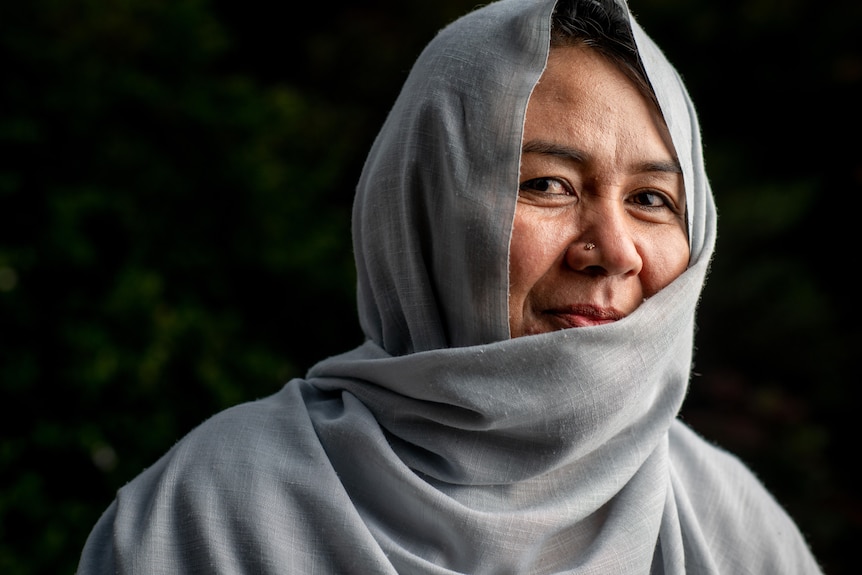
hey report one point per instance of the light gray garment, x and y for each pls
(441, 445)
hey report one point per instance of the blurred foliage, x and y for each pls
(175, 188)
(170, 234)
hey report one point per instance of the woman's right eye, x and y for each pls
(546, 186)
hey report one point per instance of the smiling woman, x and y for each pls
(598, 170)
(514, 406)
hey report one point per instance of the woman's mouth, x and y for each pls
(584, 315)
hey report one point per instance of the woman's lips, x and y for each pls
(584, 315)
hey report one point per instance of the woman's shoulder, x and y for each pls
(696, 458)
(243, 474)
(251, 437)
(727, 504)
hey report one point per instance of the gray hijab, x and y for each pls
(440, 445)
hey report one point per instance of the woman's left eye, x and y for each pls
(650, 200)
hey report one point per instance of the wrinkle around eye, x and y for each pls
(663, 212)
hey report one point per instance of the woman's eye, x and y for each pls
(650, 200)
(546, 186)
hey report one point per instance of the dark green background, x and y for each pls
(175, 186)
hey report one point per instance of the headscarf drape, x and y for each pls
(441, 445)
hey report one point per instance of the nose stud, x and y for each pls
(589, 246)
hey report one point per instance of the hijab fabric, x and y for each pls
(441, 445)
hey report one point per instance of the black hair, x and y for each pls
(602, 25)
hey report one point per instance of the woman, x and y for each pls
(532, 229)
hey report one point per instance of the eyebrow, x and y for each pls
(552, 149)
(576, 155)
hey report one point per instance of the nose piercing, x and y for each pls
(589, 246)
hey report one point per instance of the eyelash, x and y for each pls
(664, 201)
(568, 191)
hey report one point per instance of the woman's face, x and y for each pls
(600, 220)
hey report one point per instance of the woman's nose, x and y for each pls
(604, 244)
